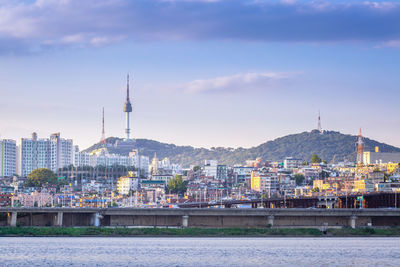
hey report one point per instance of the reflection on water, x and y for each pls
(130, 251)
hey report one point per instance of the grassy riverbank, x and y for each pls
(192, 232)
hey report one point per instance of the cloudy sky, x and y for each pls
(205, 72)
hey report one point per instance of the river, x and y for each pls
(165, 251)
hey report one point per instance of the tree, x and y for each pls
(386, 177)
(40, 177)
(316, 159)
(177, 185)
(299, 178)
(324, 175)
(196, 168)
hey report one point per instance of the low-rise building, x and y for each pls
(380, 157)
(35, 199)
(162, 177)
(291, 163)
(264, 182)
(210, 168)
(126, 184)
(5, 200)
(363, 186)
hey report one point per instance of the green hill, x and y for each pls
(302, 145)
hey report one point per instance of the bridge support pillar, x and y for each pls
(270, 220)
(59, 219)
(12, 219)
(352, 221)
(185, 221)
(95, 220)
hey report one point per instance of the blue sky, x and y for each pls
(205, 73)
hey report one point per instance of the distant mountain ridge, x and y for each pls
(301, 145)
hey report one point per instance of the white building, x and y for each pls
(210, 168)
(8, 158)
(61, 152)
(163, 167)
(102, 157)
(162, 177)
(81, 158)
(291, 163)
(52, 153)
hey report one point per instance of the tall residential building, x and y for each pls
(8, 158)
(52, 153)
(18, 161)
(81, 158)
(61, 152)
(222, 173)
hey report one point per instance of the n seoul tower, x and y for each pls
(127, 110)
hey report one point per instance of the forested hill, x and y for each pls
(302, 145)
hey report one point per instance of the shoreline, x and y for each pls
(194, 232)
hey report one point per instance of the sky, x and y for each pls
(206, 73)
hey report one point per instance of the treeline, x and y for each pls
(330, 145)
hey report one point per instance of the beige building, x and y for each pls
(125, 184)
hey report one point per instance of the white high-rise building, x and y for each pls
(52, 153)
(8, 158)
(81, 158)
(18, 160)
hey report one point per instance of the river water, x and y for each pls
(160, 251)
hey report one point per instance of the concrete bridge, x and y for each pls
(301, 202)
(215, 218)
(370, 200)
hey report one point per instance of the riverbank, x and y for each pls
(195, 232)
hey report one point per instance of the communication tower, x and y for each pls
(103, 134)
(360, 148)
(319, 123)
(127, 110)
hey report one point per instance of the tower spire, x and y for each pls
(127, 87)
(127, 110)
(103, 134)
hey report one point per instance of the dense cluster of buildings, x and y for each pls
(101, 178)
(209, 182)
(55, 153)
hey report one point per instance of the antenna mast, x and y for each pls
(103, 134)
(360, 148)
(319, 123)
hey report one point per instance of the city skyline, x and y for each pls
(210, 126)
(232, 83)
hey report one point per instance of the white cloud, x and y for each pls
(392, 43)
(238, 82)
